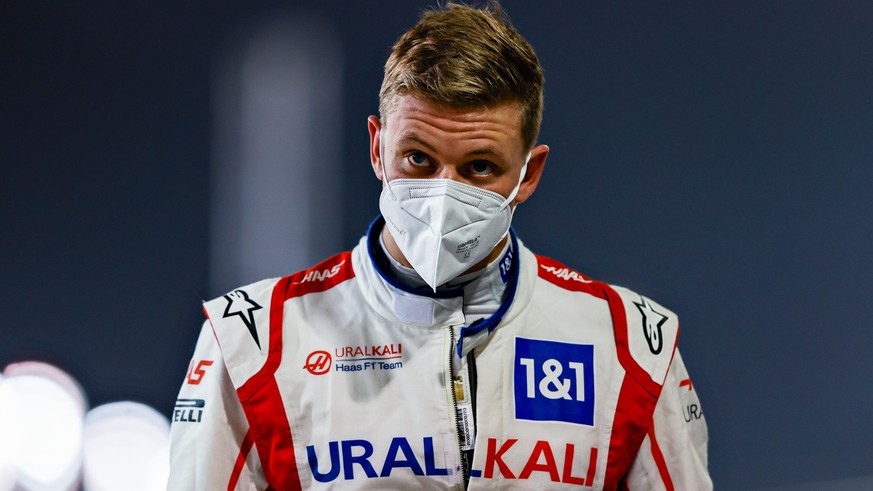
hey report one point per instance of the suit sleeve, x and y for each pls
(209, 447)
(673, 455)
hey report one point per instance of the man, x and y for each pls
(441, 353)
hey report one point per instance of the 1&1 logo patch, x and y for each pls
(554, 381)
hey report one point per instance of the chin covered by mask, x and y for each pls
(444, 227)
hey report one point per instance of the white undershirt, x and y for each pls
(483, 289)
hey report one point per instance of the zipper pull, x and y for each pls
(462, 400)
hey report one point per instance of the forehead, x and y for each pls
(499, 123)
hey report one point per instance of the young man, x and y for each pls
(441, 353)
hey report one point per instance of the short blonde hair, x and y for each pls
(464, 57)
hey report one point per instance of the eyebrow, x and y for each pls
(417, 139)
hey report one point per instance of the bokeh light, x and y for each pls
(126, 446)
(42, 416)
(8, 438)
(49, 443)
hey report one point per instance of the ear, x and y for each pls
(535, 166)
(374, 125)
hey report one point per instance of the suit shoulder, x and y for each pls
(650, 334)
(240, 321)
(645, 331)
(563, 277)
(323, 276)
(248, 321)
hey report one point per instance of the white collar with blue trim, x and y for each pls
(477, 306)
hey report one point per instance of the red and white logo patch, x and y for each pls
(318, 362)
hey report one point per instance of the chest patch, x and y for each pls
(554, 381)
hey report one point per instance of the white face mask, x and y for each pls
(445, 227)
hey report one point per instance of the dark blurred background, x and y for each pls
(716, 156)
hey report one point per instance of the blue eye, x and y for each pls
(480, 167)
(418, 159)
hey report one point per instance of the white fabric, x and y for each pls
(396, 428)
(444, 227)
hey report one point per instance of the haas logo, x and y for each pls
(318, 362)
(316, 275)
(566, 274)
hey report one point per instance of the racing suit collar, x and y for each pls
(426, 308)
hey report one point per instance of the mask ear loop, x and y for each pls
(517, 186)
(515, 192)
(384, 167)
(382, 156)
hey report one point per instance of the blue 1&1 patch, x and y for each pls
(554, 381)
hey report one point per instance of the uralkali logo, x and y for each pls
(355, 359)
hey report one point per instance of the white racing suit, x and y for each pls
(338, 377)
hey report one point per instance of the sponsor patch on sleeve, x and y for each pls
(188, 410)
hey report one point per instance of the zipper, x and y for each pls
(472, 375)
(465, 464)
(471, 396)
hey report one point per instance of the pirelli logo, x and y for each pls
(188, 410)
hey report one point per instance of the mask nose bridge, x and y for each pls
(448, 190)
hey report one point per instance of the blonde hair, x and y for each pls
(464, 57)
